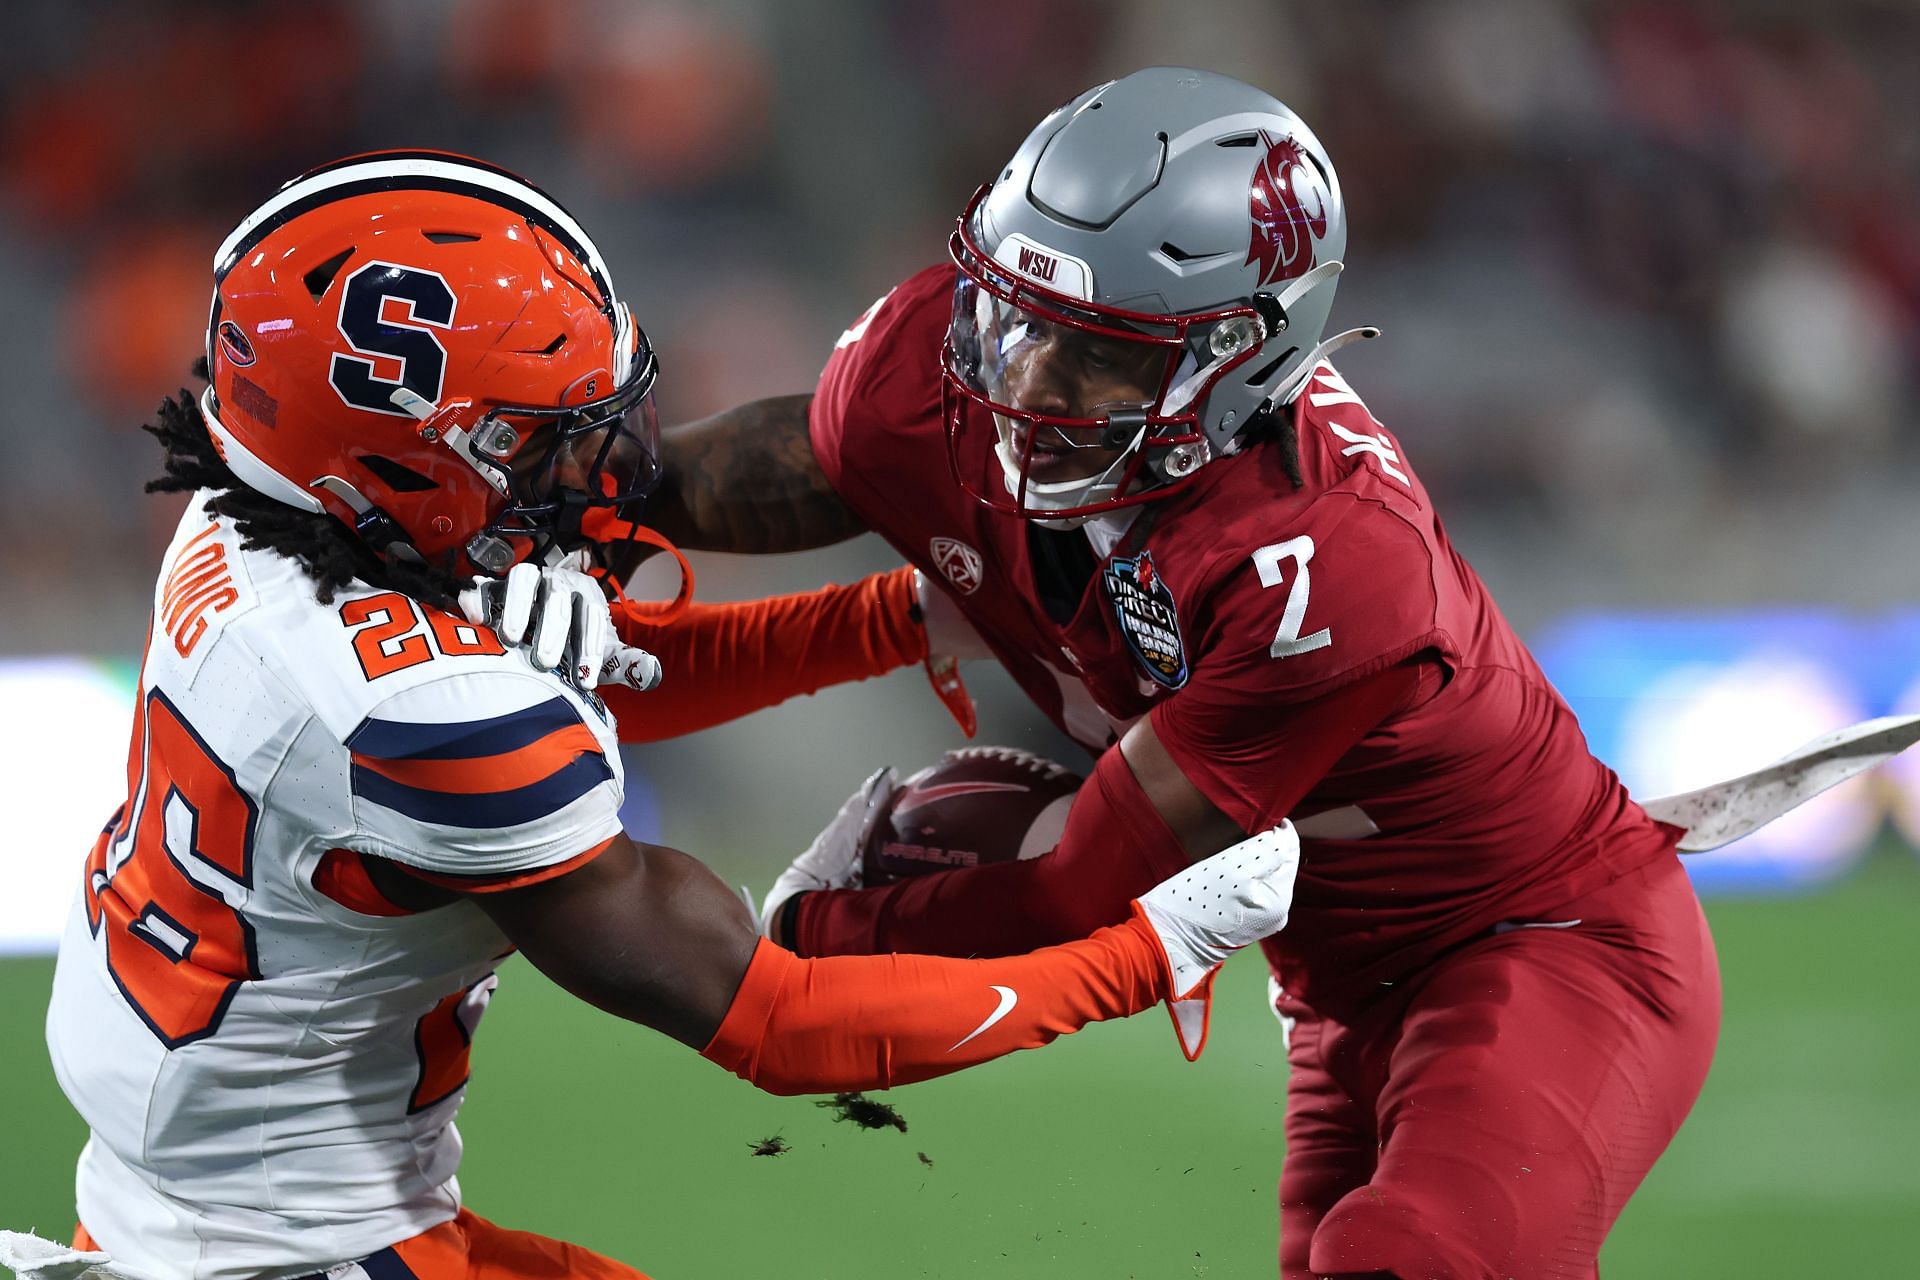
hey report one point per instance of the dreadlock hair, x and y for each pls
(1274, 424)
(327, 550)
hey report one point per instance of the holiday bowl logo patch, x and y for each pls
(1149, 621)
(960, 564)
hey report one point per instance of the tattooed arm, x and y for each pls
(746, 480)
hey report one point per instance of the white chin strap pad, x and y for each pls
(1060, 495)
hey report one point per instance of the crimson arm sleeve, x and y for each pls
(723, 661)
(1256, 758)
(870, 1022)
(1115, 847)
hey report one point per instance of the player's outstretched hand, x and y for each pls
(1223, 903)
(951, 640)
(559, 616)
(949, 634)
(832, 861)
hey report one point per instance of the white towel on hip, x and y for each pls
(31, 1258)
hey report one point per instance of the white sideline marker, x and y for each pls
(1723, 812)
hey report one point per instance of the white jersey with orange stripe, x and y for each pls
(269, 1055)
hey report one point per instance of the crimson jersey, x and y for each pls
(1230, 605)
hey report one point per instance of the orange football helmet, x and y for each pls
(429, 349)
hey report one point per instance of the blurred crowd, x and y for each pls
(1649, 272)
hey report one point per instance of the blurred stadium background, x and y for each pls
(1650, 280)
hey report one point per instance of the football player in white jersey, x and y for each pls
(346, 804)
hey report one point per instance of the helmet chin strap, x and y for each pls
(601, 525)
(1307, 282)
(382, 534)
(463, 443)
(1061, 494)
(1297, 380)
(1195, 378)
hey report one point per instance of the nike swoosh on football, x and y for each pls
(1008, 998)
(918, 795)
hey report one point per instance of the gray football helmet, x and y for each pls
(1191, 219)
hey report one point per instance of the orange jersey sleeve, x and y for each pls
(871, 1022)
(723, 661)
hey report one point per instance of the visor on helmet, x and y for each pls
(555, 464)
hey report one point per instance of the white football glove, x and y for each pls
(560, 618)
(832, 861)
(950, 640)
(1214, 908)
(949, 634)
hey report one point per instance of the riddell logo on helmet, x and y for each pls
(234, 343)
(1038, 265)
(1288, 202)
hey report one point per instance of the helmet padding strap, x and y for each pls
(1295, 381)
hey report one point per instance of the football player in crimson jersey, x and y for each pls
(1110, 428)
(346, 805)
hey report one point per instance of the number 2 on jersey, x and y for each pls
(1288, 642)
(157, 878)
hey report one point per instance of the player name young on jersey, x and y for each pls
(1144, 608)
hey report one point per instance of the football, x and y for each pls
(972, 806)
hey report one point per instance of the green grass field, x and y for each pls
(1108, 1156)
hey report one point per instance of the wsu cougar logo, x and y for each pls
(1288, 204)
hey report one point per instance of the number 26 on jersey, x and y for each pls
(390, 634)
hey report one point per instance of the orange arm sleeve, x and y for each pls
(723, 661)
(870, 1022)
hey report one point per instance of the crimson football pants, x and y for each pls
(1490, 1117)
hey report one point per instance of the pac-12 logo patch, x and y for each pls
(1148, 618)
(960, 563)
